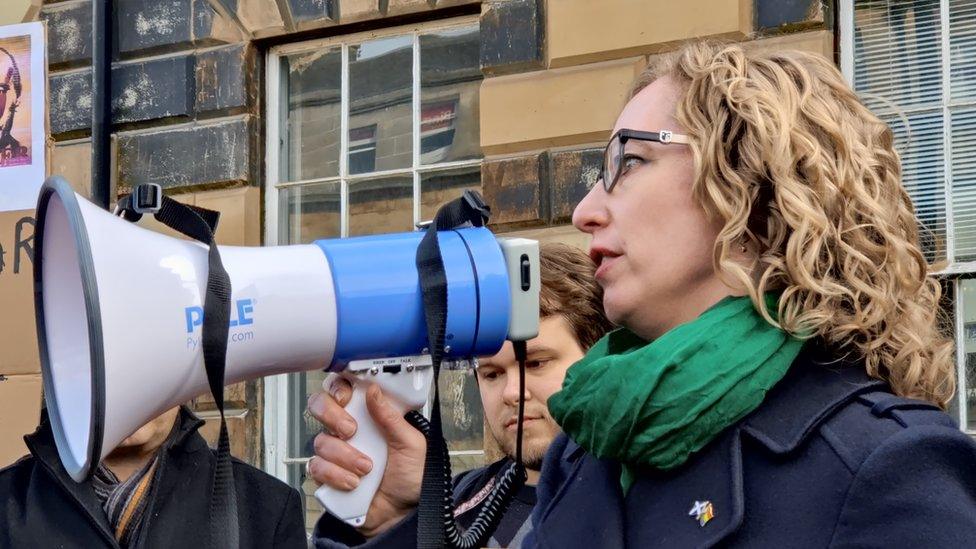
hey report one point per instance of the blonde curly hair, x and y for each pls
(802, 174)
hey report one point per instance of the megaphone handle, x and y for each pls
(405, 391)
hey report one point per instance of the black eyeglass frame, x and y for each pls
(665, 137)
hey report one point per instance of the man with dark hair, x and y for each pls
(571, 320)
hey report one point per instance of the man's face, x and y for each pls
(150, 436)
(549, 356)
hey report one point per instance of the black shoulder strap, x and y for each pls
(200, 224)
(435, 493)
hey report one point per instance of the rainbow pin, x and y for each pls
(703, 512)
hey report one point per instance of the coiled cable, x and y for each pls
(509, 482)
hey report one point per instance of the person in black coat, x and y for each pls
(42, 507)
(779, 375)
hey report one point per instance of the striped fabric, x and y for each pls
(124, 502)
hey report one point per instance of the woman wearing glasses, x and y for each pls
(779, 375)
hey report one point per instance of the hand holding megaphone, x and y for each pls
(339, 465)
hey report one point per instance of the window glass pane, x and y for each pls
(310, 123)
(463, 418)
(442, 186)
(920, 142)
(897, 53)
(307, 486)
(969, 346)
(948, 323)
(381, 105)
(308, 212)
(302, 427)
(964, 182)
(962, 48)
(381, 205)
(450, 76)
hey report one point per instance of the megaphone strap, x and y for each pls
(436, 527)
(200, 224)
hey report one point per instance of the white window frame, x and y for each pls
(277, 401)
(846, 25)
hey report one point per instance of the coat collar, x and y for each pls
(812, 390)
(814, 387)
(42, 446)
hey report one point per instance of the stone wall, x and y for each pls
(559, 71)
(188, 81)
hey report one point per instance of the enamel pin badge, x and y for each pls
(703, 512)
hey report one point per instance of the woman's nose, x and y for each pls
(590, 214)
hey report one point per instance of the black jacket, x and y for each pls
(40, 506)
(469, 494)
(830, 459)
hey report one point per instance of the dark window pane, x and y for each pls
(440, 187)
(463, 419)
(948, 323)
(362, 149)
(962, 49)
(308, 212)
(310, 117)
(964, 182)
(381, 205)
(306, 487)
(381, 96)
(920, 142)
(968, 288)
(898, 53)
(450, 78)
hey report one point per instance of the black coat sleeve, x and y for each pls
(918, 489)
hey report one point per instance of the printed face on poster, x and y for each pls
(23, 115)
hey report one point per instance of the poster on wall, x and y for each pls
(23, 114)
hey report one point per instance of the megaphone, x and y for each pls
(120, 308)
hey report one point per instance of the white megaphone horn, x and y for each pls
(120, 313)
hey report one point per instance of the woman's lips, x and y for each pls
(606, 262)
(603, 258)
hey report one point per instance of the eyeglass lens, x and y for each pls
(611, 163)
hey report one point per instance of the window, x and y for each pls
(913, 62)
(369, 134)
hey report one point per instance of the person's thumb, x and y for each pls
(398, 432)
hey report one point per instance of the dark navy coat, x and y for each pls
(830, 459)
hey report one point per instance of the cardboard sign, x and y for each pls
(23, 158)
(18, 330)
(20, 410)
(23, 115)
